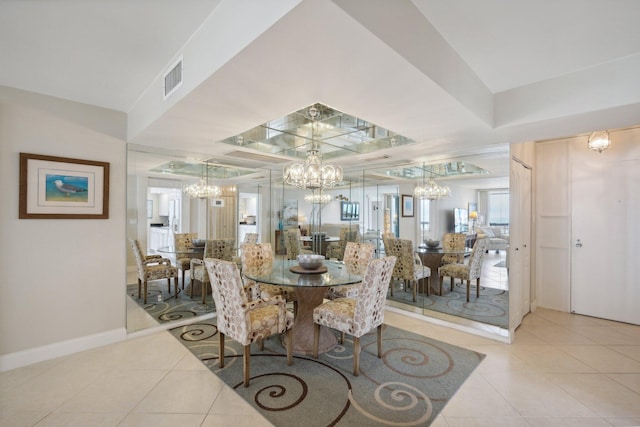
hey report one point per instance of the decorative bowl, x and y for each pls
(198, 243)
(310, 261)
(432, 243)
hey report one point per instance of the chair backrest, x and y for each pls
(230, 299)
(292, 242)
(357, 257)
(250, 238)
(137, 252)
(475, 260)
(219, 249)
(404, 267)
(257, 259)
(453, 242)
(183, 240)
(370, 302)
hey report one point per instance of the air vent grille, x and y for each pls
(173, 79)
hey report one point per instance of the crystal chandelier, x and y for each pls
(312, 173)
(599, 141)
(430, 190)
(202, 190)
(317, 198)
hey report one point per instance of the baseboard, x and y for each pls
(59, 349)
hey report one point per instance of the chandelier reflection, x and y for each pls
(313, 174)
(202, 190)
(317, 198)
(430, 190)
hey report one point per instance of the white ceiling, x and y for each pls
(461, 77)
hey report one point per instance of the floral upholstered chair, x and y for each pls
(357, 316)
(453, 242)
(293, 243)
(357, 257)
(336, 249)
(182, 241)
(243, 320)
(218, 249)
(251, 238)
(408, 267)
(466, 272)
(152, 267)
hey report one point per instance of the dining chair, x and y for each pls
(336, 249)
(152, 267)
(218, 249)
(357, 257)
(357, 316)
(466, 272)
(182, 241)
(251, 238)
(453, 242)
(243, 320)
(408, 267)
(293, 243)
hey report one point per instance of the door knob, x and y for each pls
(578, 243)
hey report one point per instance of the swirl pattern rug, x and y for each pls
(408, 386)
(165, 307)
(491, 308)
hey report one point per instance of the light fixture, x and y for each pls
(430, 190)
(317, 198)
(473, 216)
(599, 141)
(202, 190)
(312, 174)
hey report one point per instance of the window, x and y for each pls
(424, 218)
(499, 208)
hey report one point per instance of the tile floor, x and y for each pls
(562, 370)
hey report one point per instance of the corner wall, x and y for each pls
(63, 287)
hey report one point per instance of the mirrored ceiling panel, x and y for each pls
(441, 170)
(336, 134)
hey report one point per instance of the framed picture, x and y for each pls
(62, 188)
(407, 205)
(217, 203)
(349, 211)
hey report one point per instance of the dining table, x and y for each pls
(432, 258)
(310, 288)
(185, 252)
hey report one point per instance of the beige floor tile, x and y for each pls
(566, 422)
(119, 391)
(602, 359)
(499, 358)
(486, 422)
(624, 422)
(439, 422)
(553, 334)
(532, 395)
(610, 335)
(12, 418)
(163, 420)
(548, 358)
(228, 402)
(603, 395)
(82, 420)
(632, 351)
(631, 381)
(236, 420)
(188, 392)
(476, 399)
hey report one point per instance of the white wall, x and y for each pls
(63, 280)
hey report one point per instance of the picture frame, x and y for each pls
(217, 203)
(407, 206)
(349, 211)
(62, 188)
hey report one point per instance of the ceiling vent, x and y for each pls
(173, 79)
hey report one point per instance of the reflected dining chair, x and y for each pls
(243, 320)
(357, 257)
(466, 272)
(453, 242)
(336, 249)
(251, 238)
(152, 267)
(218, 249)
(408, 267)
(182, 241)
(357, 316)
(293, 243)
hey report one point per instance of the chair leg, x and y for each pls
(342, 334)
(441, 280)
(221, 355)
(468, 286)
(144, 288)
(203, 291)
(379, 341)
(453, 282)
(246, 359)
(356, 356)
(139, 288)
(183, 271)
(262, 344)
(478, 287)
(316, 339)
(289, 343)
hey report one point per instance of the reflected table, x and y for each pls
(432, 258)
(310, 290)
(319, 245)
(188, 252)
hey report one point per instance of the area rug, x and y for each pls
(408, 386)
(165, 307)
(491, 308)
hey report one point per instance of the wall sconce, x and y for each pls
(599, 141)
